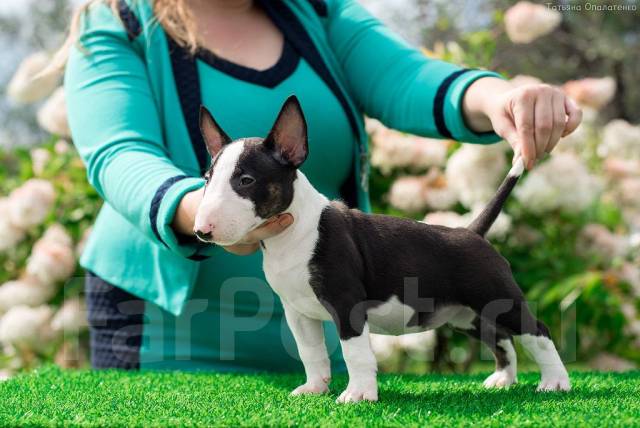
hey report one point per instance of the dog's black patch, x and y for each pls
(272, 190)
(363, 260)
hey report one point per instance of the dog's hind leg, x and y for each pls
(309, 337)
(501, 344)
(514, 316)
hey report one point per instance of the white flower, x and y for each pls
(39, 160)
(446, 218)
(562, 183)
(52, 116)
(500, 227)
(56, 233)
(620, 139)
(440, 198)
(620, 168)
(526, 21)
(71, 317)
(62, 146)
(383, 346)
(407, 194)
(24, 292)
(10, 234)
(597, 240)
(83, 242)
(629, 191)
(417, 193)
(392, 149)
(51, 262)
(418, 343)
(474, 172)
(26, 86)
(591, 92)
(30, 203)
(575, 141)
(524, 80)
(26, 327)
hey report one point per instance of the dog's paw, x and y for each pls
(500, 379)
(559, 382)
(358, 392)
(320, 386)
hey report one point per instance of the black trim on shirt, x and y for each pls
(270, 77)
(295, 33)
(157, 200)
(129, 20)
(438, 102)
(187, 81)
(320, 6)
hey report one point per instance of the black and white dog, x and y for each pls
(367, 273)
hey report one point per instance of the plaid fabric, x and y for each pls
(115, 324)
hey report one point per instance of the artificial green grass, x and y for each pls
(52, 397)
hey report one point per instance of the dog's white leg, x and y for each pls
(362, 368)
(554, 376)
(309, 337)
(506, 367)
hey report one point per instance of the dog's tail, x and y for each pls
(483, 222)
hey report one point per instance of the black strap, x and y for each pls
(187, 80)
(438, 102)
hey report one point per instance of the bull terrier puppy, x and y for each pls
(366, 273)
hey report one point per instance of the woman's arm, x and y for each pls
(397, 84)
(117, 130)
(404, 89)
(532, 118)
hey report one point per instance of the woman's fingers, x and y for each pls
(574, 116)
(250, 243)
(559, 120)
(242, 249)
(543, 121)
(523, 111)
(271, 227)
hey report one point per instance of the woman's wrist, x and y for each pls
(477, 102)
(184, 218)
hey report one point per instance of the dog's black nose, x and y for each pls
(205, 236)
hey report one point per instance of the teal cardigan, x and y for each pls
(129, 127)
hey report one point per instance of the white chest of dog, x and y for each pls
(364, 272)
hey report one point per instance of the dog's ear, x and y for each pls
(214, 137)
(288, 137)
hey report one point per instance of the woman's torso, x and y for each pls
(233, 321)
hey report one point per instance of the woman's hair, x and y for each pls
(173, 15)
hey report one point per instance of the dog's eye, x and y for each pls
(246, 180)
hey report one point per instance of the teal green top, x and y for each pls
(127, 123)
(231, 297)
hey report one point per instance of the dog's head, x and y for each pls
(250, 179)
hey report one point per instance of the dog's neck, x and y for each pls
(306, 208)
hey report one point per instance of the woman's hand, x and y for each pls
(251, 241)
(531, 118)
(184, 220)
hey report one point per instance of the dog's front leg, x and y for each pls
(309, 337)
(362, 368)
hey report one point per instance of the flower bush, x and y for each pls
(44, 219)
